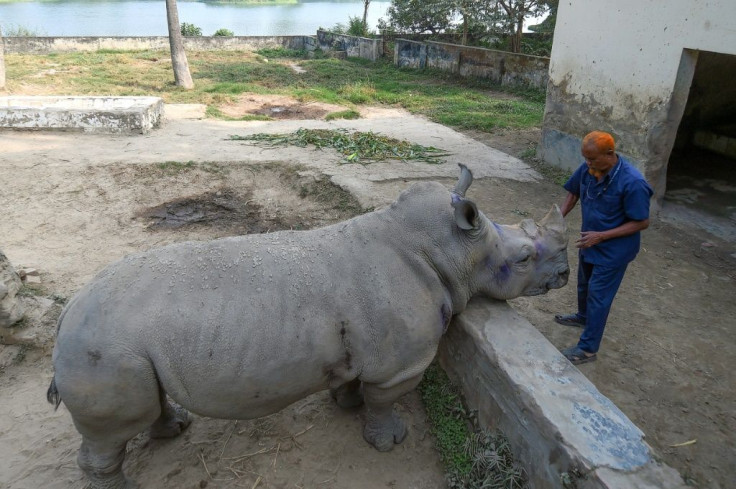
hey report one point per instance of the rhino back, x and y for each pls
(259, 321)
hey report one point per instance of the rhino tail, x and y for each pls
(52, 395)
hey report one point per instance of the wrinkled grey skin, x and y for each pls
(242, 327)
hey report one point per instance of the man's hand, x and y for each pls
(589, 238)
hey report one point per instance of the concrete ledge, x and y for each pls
(88, 114)
(564, 432)
(44, 45)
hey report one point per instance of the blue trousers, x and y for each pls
(597, 286)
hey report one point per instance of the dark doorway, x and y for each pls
(701, 173)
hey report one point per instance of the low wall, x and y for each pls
(565, 433)
(45, 45)
(499, 66)
(359, 47)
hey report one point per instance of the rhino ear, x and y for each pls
(466, 214)
(554, 221)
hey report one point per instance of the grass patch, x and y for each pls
(472, 459)
(219, 75)
(357, 147)
(343, 114)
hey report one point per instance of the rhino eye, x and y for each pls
(524, 260)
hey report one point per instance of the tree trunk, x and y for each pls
(465, 30)
(516, 37)
(365, 14)
(178, 57)
(2, 60)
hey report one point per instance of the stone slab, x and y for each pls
(562, 429)
(88, 114)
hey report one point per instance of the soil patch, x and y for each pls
(277, 107)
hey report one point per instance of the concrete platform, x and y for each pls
(105, 115)
(563, 431)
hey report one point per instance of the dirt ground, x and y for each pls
(667, 359)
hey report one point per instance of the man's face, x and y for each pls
(599, 162)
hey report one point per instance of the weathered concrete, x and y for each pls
(633, 83)
(11, 310)
(358, 47)
(88, 114)
(557, 422)
(45, 45)
(499, 66)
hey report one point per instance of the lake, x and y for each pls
(148, 17)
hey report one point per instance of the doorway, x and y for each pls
(701, 172)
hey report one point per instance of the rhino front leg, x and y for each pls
(348, 395)
(383, 426)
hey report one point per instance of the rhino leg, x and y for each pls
(102, 463)
(348, 395)
(173, 420)
(383, 426)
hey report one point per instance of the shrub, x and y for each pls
(224, 33)
(190, 29)
(19, 31)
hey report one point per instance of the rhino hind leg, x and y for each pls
(173, 419)
(348, 395)
(102, 463)
(383, 426)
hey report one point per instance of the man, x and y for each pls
(614, 197)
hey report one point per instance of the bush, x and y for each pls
(19, 31)
(224, 33)
(190, 30)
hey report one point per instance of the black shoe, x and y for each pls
(570, 320)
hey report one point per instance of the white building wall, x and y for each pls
(614, 66)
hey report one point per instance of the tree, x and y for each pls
(179, 61)
(365, 13)
(420, 16)
(515, 13)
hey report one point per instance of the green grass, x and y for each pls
(472, 458)
(343, 114)
(220, 76)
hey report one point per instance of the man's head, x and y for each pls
(599, 152)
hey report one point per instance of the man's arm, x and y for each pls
(569, 203)
(592, 238)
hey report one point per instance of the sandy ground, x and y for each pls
(73, 203)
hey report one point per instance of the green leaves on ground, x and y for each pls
(357, 147)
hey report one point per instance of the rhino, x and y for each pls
(241, 327)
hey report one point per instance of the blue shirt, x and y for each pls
(622, 196)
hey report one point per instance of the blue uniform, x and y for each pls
(622, 196)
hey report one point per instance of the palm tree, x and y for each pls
(178, 57)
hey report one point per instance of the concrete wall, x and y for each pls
(45, 45)
(626, 67)
(358, 47)
(565, 433)
(500, 66)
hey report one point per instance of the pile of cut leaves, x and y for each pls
(357, 147)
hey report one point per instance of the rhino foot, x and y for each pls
(384, 433)
(173, 420)
(348, 395)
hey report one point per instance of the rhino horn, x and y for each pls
(554, 221)
(466, 178)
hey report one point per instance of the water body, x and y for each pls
(148, 17)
